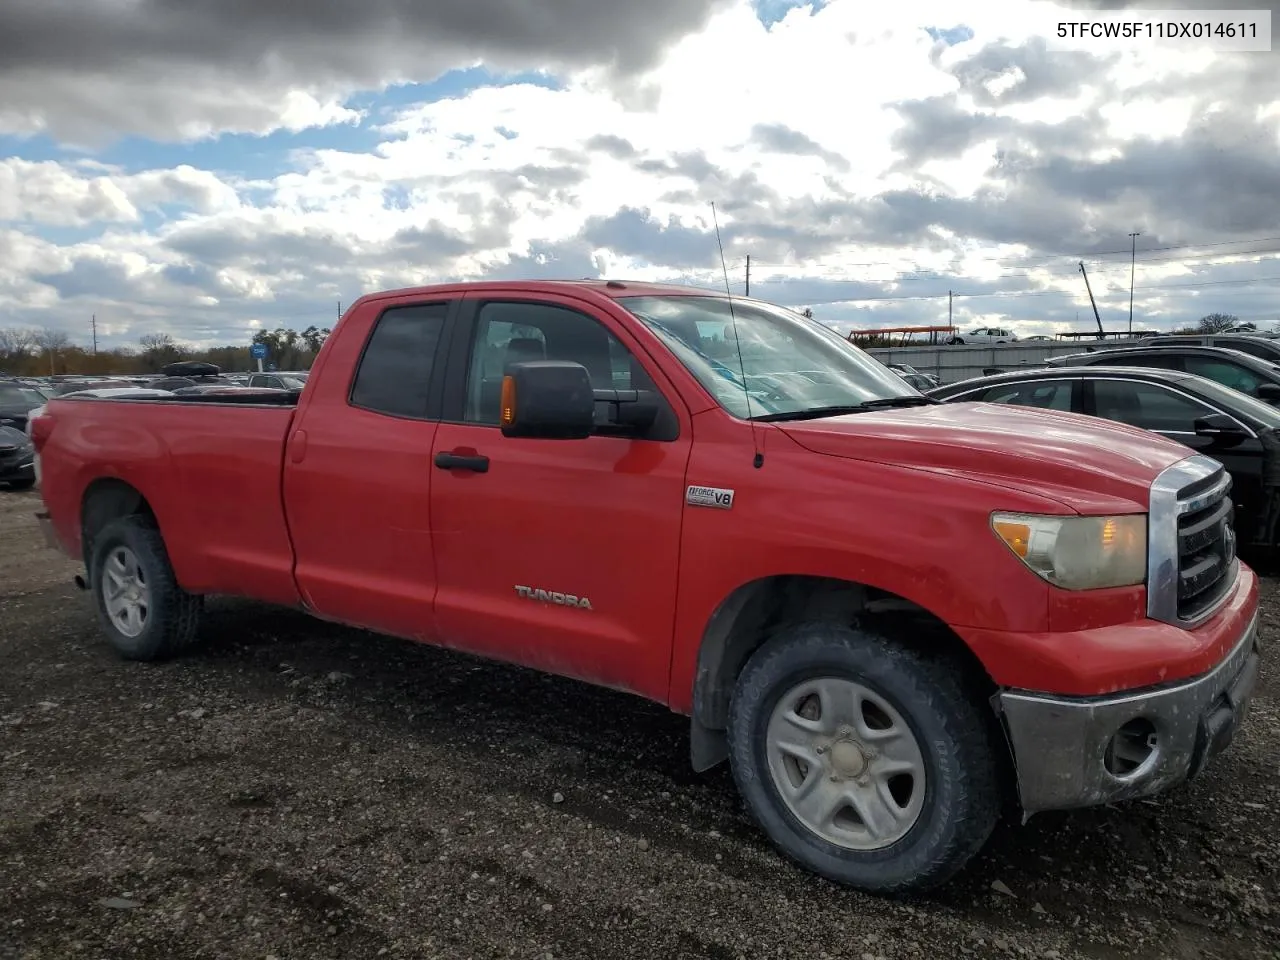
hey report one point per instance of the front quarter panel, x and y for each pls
(918, 534)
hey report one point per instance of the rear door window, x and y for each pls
(1233, 375)
(1146, 405)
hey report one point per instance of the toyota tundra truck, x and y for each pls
(893, 618)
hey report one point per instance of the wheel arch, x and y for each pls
(105, 500)
(755, 611)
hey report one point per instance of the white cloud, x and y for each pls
(57, 194)
(463, 186)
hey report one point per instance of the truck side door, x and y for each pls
(561, 555)
(357, 472)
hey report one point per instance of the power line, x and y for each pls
(922, 275)
(1018, 294)
(1033, 260)
(930, 274)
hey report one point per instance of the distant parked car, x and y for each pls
(1256, 345)
(983, 335)
(76, 386)
(17, 401)
(278, 381)
(17, 459)
(1231, 368)
(190, 373)
(1241, 433)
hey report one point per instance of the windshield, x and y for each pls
(28, 397)
(792, 364)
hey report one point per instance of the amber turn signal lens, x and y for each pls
(508, 401)
(1016, 535)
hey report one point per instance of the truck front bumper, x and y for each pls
(1075, 752)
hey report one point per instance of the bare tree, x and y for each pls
(1218, 323)
(15, 347)
(158, 349)
(52, 342)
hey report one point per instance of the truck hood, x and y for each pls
(1088, 464)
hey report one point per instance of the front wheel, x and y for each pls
(26, 483)
(143, 611)
(863, 761)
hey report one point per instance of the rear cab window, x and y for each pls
(394, 373)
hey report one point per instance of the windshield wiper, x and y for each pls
(816, 413)
(899, 402)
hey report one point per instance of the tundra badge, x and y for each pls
(554, 596)
(709, 497)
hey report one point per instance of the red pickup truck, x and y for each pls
(889, 615)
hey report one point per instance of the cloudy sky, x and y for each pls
(206, 167)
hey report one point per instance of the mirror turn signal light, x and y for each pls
(508, 416)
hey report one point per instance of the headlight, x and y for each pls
(1078, 553)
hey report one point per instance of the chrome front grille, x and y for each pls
(1191, 559)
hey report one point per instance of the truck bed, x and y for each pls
(209, 467)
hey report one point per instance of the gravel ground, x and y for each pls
(293, 789)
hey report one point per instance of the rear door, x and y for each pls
(559, 554)
(358, 475)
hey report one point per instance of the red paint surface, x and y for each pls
(344, 511)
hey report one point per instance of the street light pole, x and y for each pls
(1133, 260)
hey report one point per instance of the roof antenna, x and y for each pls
(742, 369)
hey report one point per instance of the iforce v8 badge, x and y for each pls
(709, 497)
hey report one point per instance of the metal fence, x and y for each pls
(961, 362)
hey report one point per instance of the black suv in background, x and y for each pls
(1231, 368)
(1242, 433)
(1264, 348)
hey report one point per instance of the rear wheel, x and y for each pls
(863, 761)
(143, 611)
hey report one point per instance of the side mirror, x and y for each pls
(547, 400)
(1218, 426)
(1269, 392)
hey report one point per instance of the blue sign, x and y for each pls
(258, 351)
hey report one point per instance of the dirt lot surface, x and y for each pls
(297, 790)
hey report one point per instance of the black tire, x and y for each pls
(19, 485)
(173, 615)
(962, 800)
(956, 342)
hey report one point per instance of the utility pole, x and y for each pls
(339, 309)
(1133, 260)
(93, 322)
(949, 323)
(1092, 302)
(748, 275)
